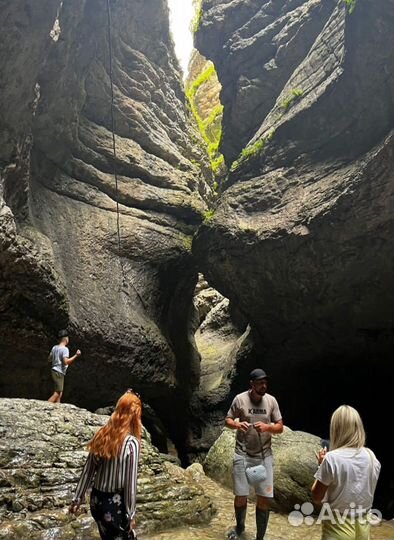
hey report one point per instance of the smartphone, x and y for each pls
(325, 443)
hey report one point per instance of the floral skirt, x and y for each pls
(109, 512)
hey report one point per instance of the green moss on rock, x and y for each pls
(210, 127)
(254, 149)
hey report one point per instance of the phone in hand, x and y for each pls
(325, 443)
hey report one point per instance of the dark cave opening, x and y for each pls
(309, 391)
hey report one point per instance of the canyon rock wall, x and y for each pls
(301, 241)
(125, 303)
(222, 339)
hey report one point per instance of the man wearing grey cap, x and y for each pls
(256, 417)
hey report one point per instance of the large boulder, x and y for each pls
(42, 453)
(294, 465)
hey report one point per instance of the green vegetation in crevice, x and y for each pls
(258, 146)
(254, 149)
(295, 94)
(187, 242)
(211, 127)
(217, 165)
(198, 16)
(217, 111)
(208, 215)
(201, 79)
(351, 4)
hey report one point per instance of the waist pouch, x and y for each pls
(256, 474)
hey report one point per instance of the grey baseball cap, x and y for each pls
(257, 374)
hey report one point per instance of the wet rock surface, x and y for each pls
(42, 454)
(279, 527)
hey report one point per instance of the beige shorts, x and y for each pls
(58, 379)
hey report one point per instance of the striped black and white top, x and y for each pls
(115, 475)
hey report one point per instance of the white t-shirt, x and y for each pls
(58, 354)
(351, 475)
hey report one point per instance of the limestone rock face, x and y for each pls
(220, 339)
(203, 92)
(207, 94)
(42, 454)
(302, 238)
(216, 338)
(126, 303)
(294, 465)
(256, 47)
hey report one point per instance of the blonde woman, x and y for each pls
(112, 466)
(346, 479)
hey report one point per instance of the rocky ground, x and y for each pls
(42, 451)
(279, 527)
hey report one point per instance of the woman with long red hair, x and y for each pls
(112, 467)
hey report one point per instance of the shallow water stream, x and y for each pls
(278, 528)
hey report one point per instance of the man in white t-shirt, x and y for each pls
(256, 417)
(59, 357)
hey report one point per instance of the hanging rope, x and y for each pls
(124, 281)
(113, 129)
